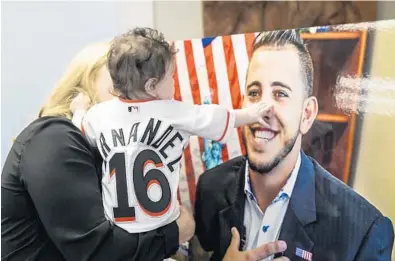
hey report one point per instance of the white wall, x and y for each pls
(179, 19)
(385, 10)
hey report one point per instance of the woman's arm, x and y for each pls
(59, 173)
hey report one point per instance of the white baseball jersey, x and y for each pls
(142, 143)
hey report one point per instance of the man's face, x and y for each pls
(274, 76)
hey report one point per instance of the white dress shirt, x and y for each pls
(262, 228)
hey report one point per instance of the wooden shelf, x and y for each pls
(332, 117)
(331, 35)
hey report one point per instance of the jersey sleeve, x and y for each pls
(71, 209)
(209, 121)
(85, 122)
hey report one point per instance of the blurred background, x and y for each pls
(40, 38)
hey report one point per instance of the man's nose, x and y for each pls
(269, 112)
(268, 99)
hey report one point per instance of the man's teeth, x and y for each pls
(268, 135)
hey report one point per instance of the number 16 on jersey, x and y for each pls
(141, 184)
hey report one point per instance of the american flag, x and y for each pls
(303, 254)
(214, 70)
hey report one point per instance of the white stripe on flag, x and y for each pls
(186, 94)
(205, 93)
(241, 57)
(201, 70)
(182, 71)
(224, 96)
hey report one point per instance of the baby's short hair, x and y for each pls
(135, 57)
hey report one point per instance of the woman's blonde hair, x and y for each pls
(79, 77)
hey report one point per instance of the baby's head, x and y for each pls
(141, 65)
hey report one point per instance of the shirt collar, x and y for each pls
(286, 190)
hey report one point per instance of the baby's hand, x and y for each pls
(258, 111)
(81, 102)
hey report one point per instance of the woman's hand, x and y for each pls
(79, 103)
(186, 225)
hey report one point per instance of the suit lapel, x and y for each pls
(301, 211)
(294, 234)
(233, 215)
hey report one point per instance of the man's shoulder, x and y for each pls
(222, 175)
(335, 197)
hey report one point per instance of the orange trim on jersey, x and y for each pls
(112, 173)
(226, 126)
(82, 126)
(159, 165)
(156, 214)
(135, 101)
(125, 219)
(152, 182)
(83, 129)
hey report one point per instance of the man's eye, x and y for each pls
(252, 93)
(281, 94)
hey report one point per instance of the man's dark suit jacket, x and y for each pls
(324, 216)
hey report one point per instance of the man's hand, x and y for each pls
(259, 253)
(186, 225)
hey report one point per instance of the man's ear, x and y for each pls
(310, 111)
(150, 86)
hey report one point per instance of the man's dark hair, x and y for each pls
(284, 38)
(135, 57)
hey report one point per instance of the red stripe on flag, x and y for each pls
(212, 80)
(193, 80)
(233, 77)
(190, 175)
(177, 92)
(187, 152)
(249, 41)
(177, 96)
(195, 87)
(212, 77)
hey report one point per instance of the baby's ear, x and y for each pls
(150, 86)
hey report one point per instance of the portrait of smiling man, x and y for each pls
(277, 192)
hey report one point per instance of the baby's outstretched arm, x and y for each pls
(212, 121)
(251, 114)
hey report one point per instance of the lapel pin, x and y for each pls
(303, 254)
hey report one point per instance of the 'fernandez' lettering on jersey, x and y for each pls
(142, 155)
(150, 134)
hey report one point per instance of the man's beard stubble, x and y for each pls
(266, 168)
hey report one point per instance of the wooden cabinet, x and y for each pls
(331, 139)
